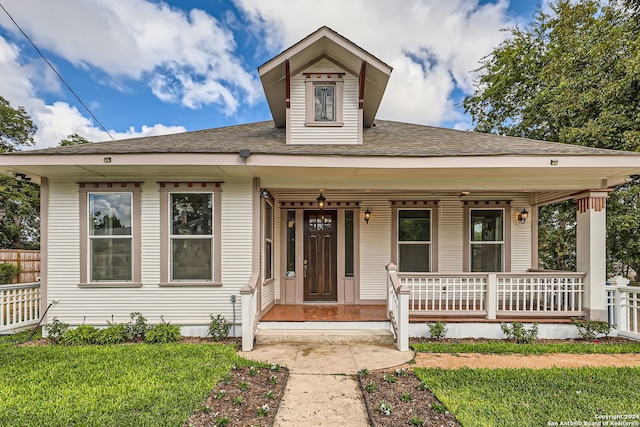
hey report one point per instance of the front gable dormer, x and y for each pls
(324, 89)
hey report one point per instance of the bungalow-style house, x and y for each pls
(323, 213)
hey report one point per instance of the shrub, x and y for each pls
(518, 333)
(114, 333)
(137, 327)
(162, 333)
(219, 327)
(82, 335)
(590, 329)
(56, 330)
(437, 330)
(8, 272)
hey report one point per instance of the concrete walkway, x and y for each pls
(322, 389)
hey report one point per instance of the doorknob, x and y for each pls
(306, 265)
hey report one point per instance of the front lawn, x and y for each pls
(536, 397)
(506, 347)
(124, 385)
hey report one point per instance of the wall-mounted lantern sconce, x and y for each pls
(321, 199)
(265, 194)
(522, 216)
(367, 216)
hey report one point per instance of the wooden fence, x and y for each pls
(28, 261)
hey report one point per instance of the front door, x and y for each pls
(320, 254)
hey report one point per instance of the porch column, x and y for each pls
(591, 250)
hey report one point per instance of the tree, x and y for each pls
(16, 127)
(19, 200)
(74, 139)
(572, 76)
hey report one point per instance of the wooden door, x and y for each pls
(320, 256)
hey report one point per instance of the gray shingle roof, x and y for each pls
(386, 138)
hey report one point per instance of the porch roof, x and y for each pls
(384, 139)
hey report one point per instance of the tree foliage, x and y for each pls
(74, 139)
(572, 76)
(16, 127)
(19, 200)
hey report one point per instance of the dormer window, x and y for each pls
(324, 99)
(324, 103)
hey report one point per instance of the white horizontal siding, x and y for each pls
(346, 134)
(520, 236)
(375, 249)
(450, 236)
(180, 305)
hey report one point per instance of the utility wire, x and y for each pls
(57, 74)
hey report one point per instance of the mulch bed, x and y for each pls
(228, 404)
(410, 402)
(601, 340)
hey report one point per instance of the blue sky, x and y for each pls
(149, 67)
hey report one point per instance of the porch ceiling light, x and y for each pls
(367, 216)
(522, 216)
(321, 200)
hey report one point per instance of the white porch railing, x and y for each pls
(398, 307)
(623, 304)
(540, 294)
(250, 312)
(19, 306)
(490, 295)
(455, 294)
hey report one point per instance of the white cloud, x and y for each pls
(55, 122)
(142, 40)
(432, 45)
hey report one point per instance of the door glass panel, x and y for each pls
(348, 244)
(291, 243)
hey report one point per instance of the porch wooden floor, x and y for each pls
(326, 313)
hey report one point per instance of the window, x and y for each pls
(487, 240)
(190, 234)
(324, 99)
(414, 240)
(110, 234)
(268, 241)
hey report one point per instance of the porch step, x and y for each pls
(324, 336)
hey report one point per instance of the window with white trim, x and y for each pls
(487, 240)
(110, 237)
(191, 236)
(110, 241)
(323, 99)
(414, 240)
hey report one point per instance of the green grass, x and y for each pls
(503, 347)
(535, 397)
(125, 385)
(20, 337)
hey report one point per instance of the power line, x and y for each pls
(58, 74)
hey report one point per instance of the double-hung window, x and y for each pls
(190, 234)
(414, 240)
(324, 99)
(487, 245)
(110, 234)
